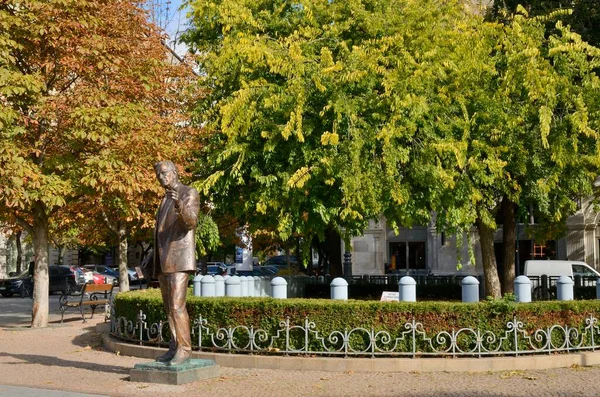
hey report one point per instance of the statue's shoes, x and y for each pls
(168, 356)
(181, 356)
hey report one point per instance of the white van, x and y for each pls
(538, 268)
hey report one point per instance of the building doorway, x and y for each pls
(408, 255)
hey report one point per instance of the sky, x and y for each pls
(167, 15)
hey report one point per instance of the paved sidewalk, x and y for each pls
(69, 357)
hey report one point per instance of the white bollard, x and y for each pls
(256, 289)
(197, 285)
(244, 285)
(233, 286)
(522, 286)
(339, 288)
(470, 289)
(219, 285)
(407, 289)
(265, 285)
(279, 288)
(208, 286)
(564, 288)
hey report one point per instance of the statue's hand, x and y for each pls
(173, 195)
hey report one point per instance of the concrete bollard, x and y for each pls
(339, 289)
(407, 289)
(244, 285)
(219, 285)
(233, 286)
(208, 286)
(265, 286)
(279, 288)
(522, 286)
(321, 280)
(257, 284)
(564, 288)
(470, 289)
(197, 285)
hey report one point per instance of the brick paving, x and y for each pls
(71, 358)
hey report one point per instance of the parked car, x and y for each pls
(111, 275)
(267, 271)
(132, 276)
(280, 261)
(103, 278)
(65, 279)
(21, 284)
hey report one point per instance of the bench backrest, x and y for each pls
(91, 288)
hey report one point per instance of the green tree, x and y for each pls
(298, 95)
(86, 107)
(530, 129)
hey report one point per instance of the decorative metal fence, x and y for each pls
(412, 341)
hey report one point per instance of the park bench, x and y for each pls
(91, 295)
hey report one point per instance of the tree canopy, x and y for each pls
(328, 114)
(89, 100)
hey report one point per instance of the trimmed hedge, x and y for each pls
(337, 315)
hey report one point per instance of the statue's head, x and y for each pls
(166, 173)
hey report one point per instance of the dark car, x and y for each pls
(281, 261)
(21, 284)
(65, 279)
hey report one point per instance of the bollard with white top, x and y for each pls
(279, 288)
(257, 284)
(244, 285)
(219, 285)
(407, 289)
(522, 286)
(233, 286)
(208, 286)
(339, 288)
(470, 289)
(197, 285)
(564, 288)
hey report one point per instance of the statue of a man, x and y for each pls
(175, 256)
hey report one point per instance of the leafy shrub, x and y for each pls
(329, 315)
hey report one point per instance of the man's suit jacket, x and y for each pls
(174, 243)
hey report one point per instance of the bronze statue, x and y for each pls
(175, 256)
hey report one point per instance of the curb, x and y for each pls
(351, 364)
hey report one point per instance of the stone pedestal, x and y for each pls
(190, 371)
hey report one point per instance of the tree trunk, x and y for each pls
(39, 315)
(123, 277)
(509, 236)
(122, 255)
(19, 251)
(490, 270)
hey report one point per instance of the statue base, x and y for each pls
(189, 371)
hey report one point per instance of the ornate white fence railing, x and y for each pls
(412, 341)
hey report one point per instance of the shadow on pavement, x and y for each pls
(57, 362)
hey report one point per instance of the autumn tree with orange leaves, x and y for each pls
(90, 98)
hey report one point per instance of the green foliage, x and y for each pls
(317, 108)
(329, 316)
(207, 235)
